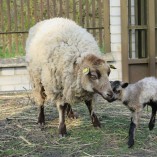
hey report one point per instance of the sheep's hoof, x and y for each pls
(130, 143)
(95, 121)
(73, 115)
(41, 121)
(151, 126)
(62, 130)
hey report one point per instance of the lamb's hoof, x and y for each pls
(151, 126)
(73, 115)
(62, 130)
(130, 143)
(95, 121)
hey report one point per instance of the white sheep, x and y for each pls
(65, 66)
(136, 96)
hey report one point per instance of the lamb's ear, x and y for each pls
(124, 85)
(86, 71)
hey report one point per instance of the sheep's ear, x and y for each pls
(124, 85)
(112, 67)
(86, 71)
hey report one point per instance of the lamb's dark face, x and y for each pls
(117, 87)
(95, 72)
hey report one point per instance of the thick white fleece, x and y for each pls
(52, 48)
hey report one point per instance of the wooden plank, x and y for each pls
(35, 10)
(2, 26)
(14, 32)
(60, 8)
(93, 16)
(143, 27)
(1, 16)
(100, 22)
(156, 13)
(107, 38)
(74, 10)
(138, 61)
(29, 13)
(22, 25)
(87, 13)
(48, 8)
(143, 33)
(41, 9)
(54, 8)
(151, 36)
(156, 26)
(67, 8)
(124, 39)
(16, 25)
(136, 31)
(9, 26)
(130, 31)
(80, 13)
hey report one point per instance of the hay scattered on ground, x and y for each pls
(21, 136)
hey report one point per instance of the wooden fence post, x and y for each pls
(107, 38)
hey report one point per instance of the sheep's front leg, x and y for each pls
(133, 125)
(152, 120)
(62, 126)
(93, 116)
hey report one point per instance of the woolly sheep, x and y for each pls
(65, 66)
(136, 96)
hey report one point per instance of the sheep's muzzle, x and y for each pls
(109, 95)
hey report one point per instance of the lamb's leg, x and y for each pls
(93, 116)
(133, 126)
(70, 112)
(152, 120)
(62, 126)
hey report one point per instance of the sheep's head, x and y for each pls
(118, 87)
(94, 78)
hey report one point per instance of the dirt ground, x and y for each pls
(21, 136)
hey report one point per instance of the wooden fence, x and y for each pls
(17, 16)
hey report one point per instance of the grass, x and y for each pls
(21, 136)
(5, 53)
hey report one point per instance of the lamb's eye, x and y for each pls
(108, 73)
(93, 77)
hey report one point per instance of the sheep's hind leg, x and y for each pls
(152, 120)
(94, 118)
(41, 117)
(62, 126)
(70, 112)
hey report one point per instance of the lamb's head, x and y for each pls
(118, 88)
(94, 76)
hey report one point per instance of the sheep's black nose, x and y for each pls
(110, 94)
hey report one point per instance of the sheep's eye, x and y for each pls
(93, 77)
